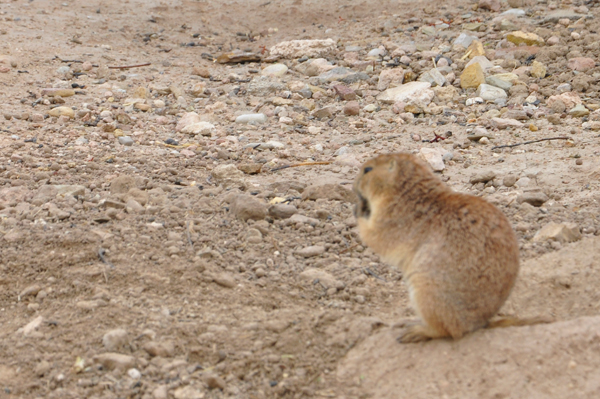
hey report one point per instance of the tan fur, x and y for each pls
(458, 253)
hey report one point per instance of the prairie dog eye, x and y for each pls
(367, 169)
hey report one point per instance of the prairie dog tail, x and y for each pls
(512, 321)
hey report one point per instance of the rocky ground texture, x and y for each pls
(176, 208)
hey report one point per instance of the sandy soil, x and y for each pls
(129, 272)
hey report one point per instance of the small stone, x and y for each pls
(325, 112)
(530, 39)
(483, 176)
(115, 340)
(579, 111)
(134, 374)
(334, 192)
(561, 232)
(126, 141)
(62, 111)
(214, 381)
(491, 5)
(579, 162)
(245, 207)
(434, 77)
(310, 252)
(225, 280)
(509, 180)
(112, 361)
(282, 211)
(390, 78)
(42, 368)
(53, 92)
(202, 128)
(412, 92)
(351, 108)
(345, 92)
(161, 349)
(275, 70)
(251, 118)
(32, 290)
(250, 168)
(464, 40)
(538, 70)
(326, 280)
(490, 93)
(504, 123)
(534, 197)
(202, 72)
(370, 108)
(581, 64)
(434, 157)
(472, 76)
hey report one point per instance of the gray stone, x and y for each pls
(482, 176)
(533, 197)
(282, 211)
(317, 276)
(496, 81)
(126, 141)
(464, 40)
(115, 340)
(341, 74)
(311, 252)
(433, 77)
(328, 191)
(263, 86)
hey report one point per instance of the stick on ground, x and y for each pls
(300, 164)
(530, 142)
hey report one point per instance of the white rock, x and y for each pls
(32, 326)
(417, 93)
(275, 70)
(561, 232)
(300, 48)
(134, 374)
(434, 157)
(187, 119)
(251, 118)
(490, 93)
(202, 128)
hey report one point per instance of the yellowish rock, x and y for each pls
(62, 111)
(475, 49)
(472, 76)
(533, 127)
(538, 70)
(530, 39)
(141, 106)
(140, 92)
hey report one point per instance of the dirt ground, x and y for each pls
(154, 270)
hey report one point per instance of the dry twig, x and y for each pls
(300, 164)
(530, 142)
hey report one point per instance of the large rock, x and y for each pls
(303, 48)
(418, 93)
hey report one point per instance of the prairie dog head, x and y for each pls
(385, 177)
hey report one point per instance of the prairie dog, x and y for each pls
(458, 253)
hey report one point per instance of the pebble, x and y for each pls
(126, 141)
(115, 340)
(62, 111)
(390, 78)
(328, 191)
(538, 70)
(434, 157)
(202, 128)
(581, 64)
(161, 349)
(213, 381)
(505, 123)
(188, 392)
(325, 279)
(370, 108)
(579, 111)
(530, 39)
(351, 108)
(464, 40)
(251, 118)
(472, 76)
(434, 77)
(275, 70)
(414, 92)
(490, 93)
(533, 197)
(561, 232)
(483, 176)
(345, 92)
(134, 374)
(245, 207)
(311, 252)
(282, 211)
(225, 280)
